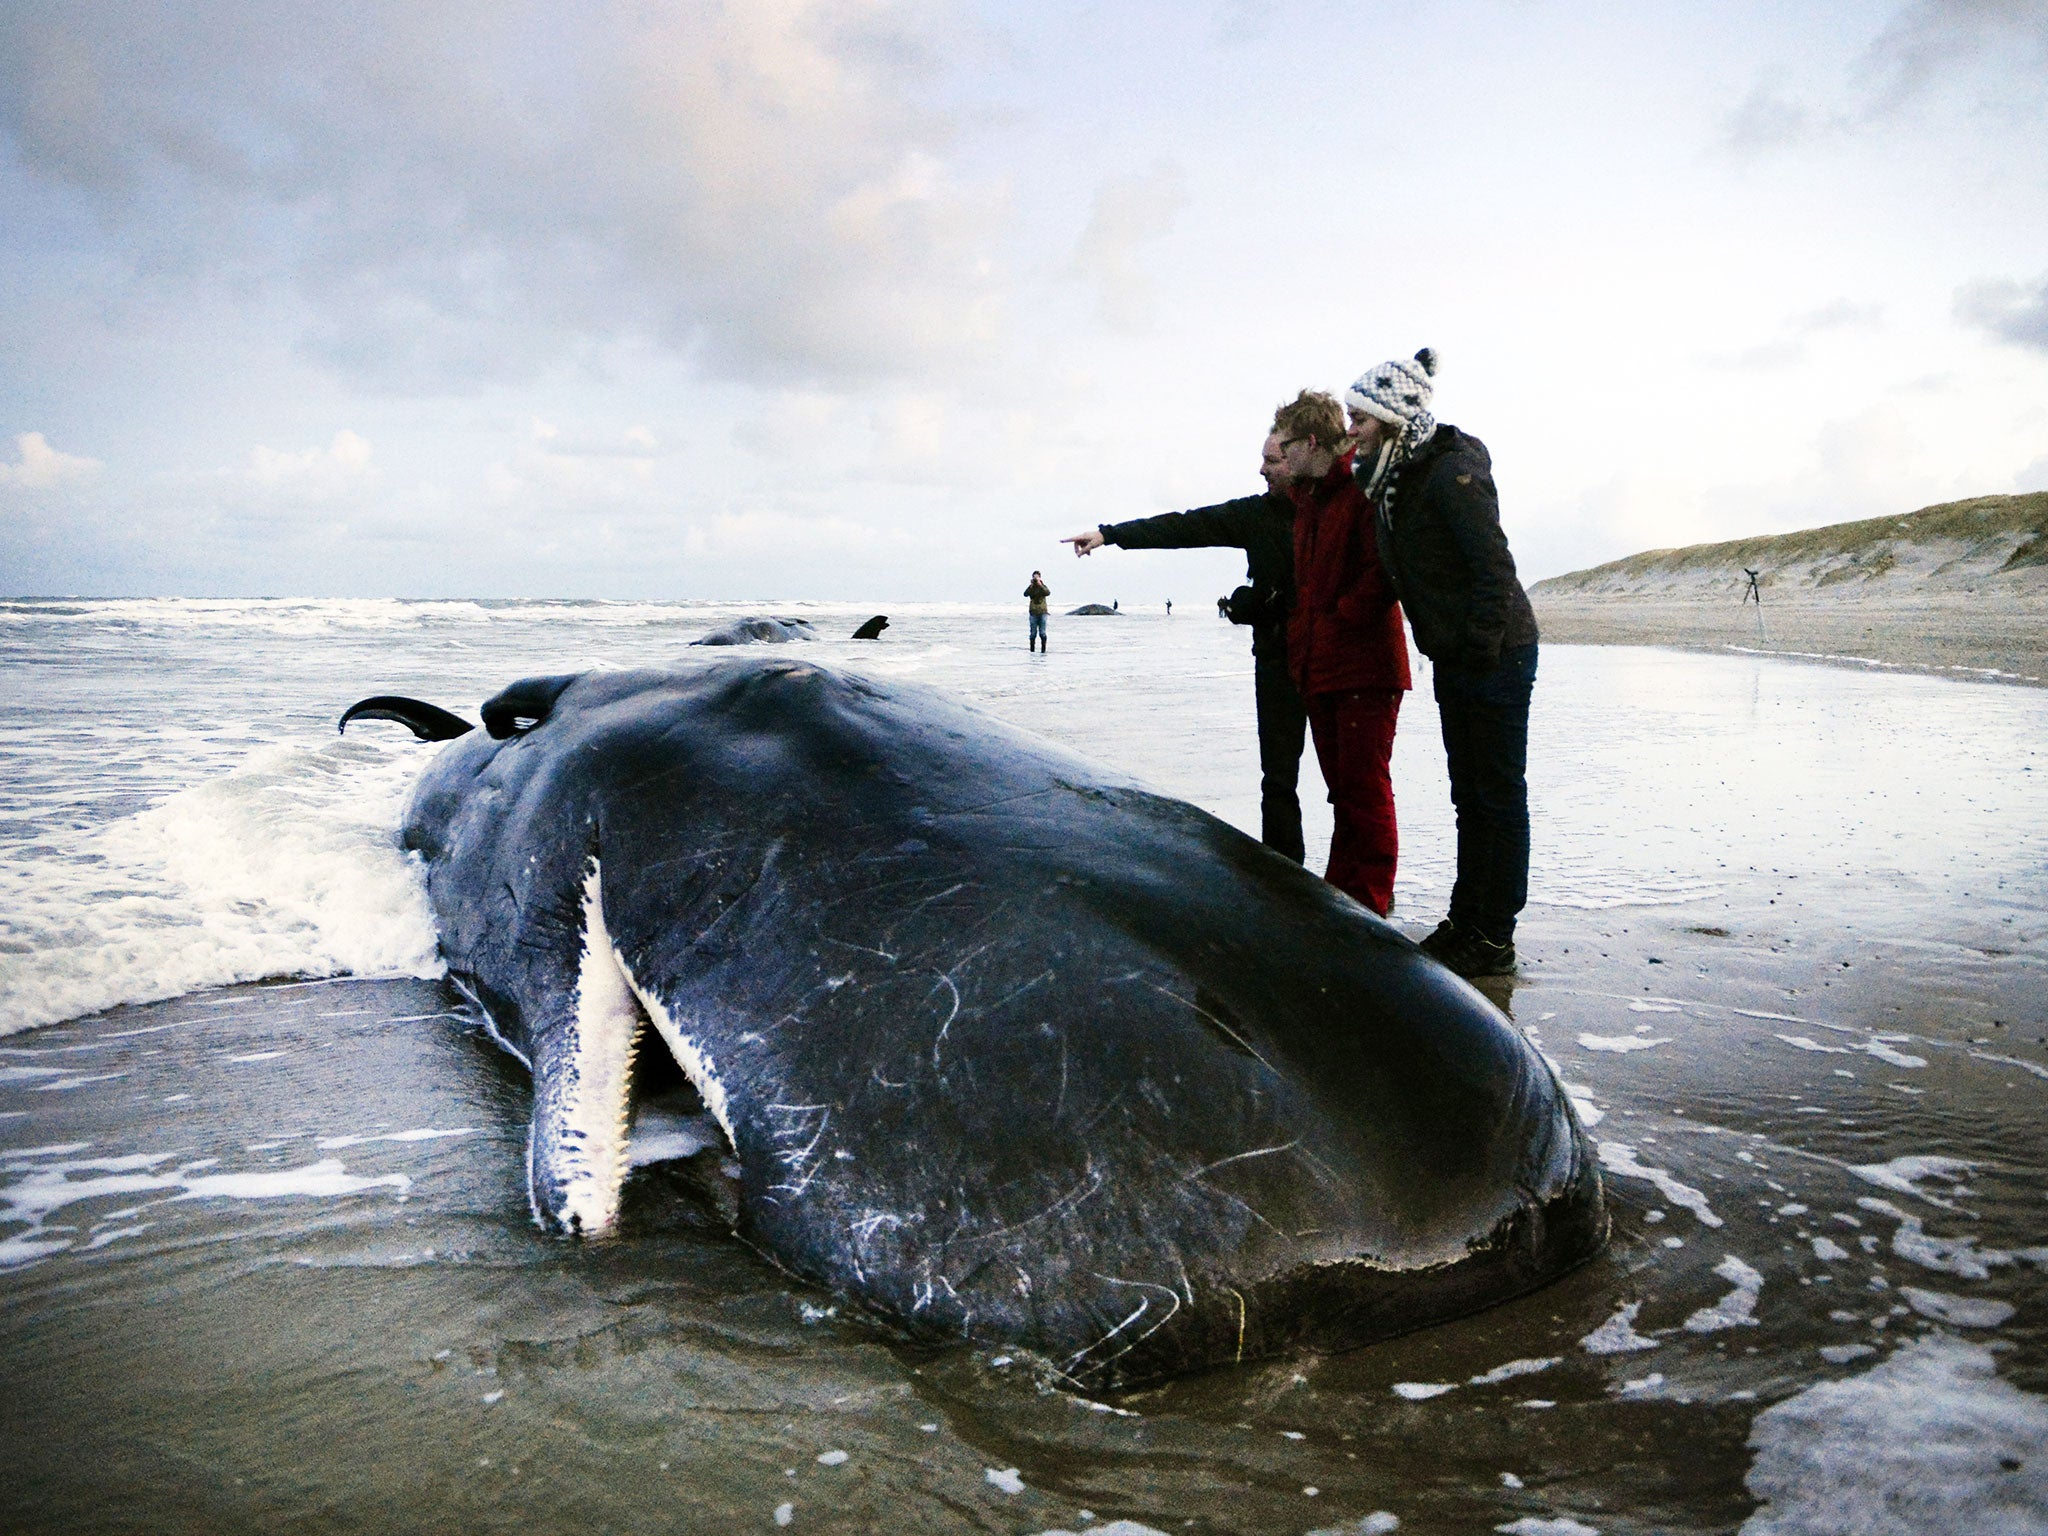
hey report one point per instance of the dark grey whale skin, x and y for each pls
(1014, 1051)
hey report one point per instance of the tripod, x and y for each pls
(1754, 593)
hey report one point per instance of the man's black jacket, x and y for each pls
(1262, 526)
(1441, 541)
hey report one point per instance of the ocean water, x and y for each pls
(264, 1254)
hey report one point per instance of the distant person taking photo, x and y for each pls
(1037, 592)
(1437, 519)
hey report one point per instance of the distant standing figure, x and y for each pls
(1169, 607)
(1440, 539)
(1038, 592)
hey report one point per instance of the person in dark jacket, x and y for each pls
(1345, 646)
(1263, 527)
(1037, 591)
(1438, 525)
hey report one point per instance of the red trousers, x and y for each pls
(1354, 735)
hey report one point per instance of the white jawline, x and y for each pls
(610, 1008)
(594, 1119)
(695, 1061)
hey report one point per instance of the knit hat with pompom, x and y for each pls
(1398, 393)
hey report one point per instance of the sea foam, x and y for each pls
(287, 866)
(1931, 1440)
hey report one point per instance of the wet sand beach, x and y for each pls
(1994, 637)
(1958, 590)
(297, 1286)
(267, 1264)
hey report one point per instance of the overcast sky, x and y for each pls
(875, 301)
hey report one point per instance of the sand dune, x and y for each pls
(1960, 589)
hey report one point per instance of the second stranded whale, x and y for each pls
(1007, 1048)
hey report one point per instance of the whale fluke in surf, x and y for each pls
(428, 722)
(1006, 1047)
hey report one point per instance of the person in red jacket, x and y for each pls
(1345, 646)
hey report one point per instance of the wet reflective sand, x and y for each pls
(268, 1263)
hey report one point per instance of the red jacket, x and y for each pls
(1345, 628)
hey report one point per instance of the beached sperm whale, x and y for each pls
(760, 631)
(1007, 1047)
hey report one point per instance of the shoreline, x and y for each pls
(1971, 637)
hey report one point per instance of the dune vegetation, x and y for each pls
(1960, 588)
(1957, 545)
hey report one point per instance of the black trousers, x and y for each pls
(1485, 717)
(1283, 727)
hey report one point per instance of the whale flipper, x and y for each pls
(518, 709)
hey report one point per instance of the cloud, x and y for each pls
(764, 531)
(2007, 310)
(1789, 346)
(1923, 44)
(312, 474)
(1931, 37)
(471, 190)
(1842, 315)
(43, 467)
(1246, 21)
(1767, 121)
(1128, 214)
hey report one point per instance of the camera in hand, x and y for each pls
(1252, 605)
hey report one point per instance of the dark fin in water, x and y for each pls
(429, 722)
(872, 630)
(519, 708)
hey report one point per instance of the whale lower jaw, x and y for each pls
(579, 1149)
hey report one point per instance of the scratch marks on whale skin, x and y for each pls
(952, 987)
(1144, 1306)
(998, 803)
(794, 1158)
(871, 1222)
(1239, 1157)
(953, 889)
(1091, 1182)
(1016, 992)
(861, 949)
(1200, 1176)
(1216, 1023)
(727, 905)
(945, 1024)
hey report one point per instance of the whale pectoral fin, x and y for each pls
(576, 1159)
(524, 706)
